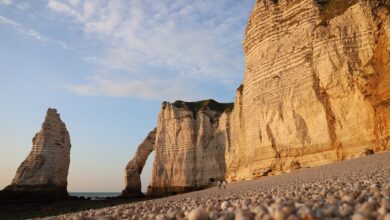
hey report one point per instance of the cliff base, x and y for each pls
(33, 192)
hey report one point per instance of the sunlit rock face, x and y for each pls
(190, 146)
(316, 87)
(135, 166)
(316, 90)
(45, 170)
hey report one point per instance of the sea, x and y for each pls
(95, 195)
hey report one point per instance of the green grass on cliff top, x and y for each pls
(195, 107)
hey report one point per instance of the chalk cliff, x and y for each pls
(316, 90)
(45, 170)
(316, 87)
(135, 166)
(189, 147)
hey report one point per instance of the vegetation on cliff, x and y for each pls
(195, 107)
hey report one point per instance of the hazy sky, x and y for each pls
(107, 66)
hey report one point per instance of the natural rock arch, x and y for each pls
(135, 166)
(189, 144)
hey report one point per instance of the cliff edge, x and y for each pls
(316, 90)
(316, 87)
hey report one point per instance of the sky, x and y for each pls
(107, 66)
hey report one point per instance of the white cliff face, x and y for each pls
(316, 90)
(46, 166)
(190, 147)
(135, 166)
(313, 93)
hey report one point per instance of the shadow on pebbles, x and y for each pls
(357, 189)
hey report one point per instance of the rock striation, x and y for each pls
(190, 146)
(43, 174)
(316, 90)
(316, 87)
(135, 166)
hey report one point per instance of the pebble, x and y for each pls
(77, 217)
(386, 190)
(243, 214)
(359, 216)
(161, 217)
(224, 205)
(245, 202)
(359, 191)
(104, 218)
(387, 217)
(279, 215)
(198, 214)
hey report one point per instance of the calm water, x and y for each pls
(95, 194)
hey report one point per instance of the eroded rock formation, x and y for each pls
(190, 146)
(135, 166)
(316, 87)
(45, 170)
(316, 90)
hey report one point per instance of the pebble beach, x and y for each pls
(357, 189)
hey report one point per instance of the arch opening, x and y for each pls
(146, 175)
(135, 167)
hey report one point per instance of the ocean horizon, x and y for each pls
(95, 194)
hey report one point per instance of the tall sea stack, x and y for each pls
(43, 174)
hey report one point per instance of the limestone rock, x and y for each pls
(45, 170)
(316, 90)
(316, 87)
(135, 166)
(190, 146)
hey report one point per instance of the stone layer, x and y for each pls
(189, 147)
(135, 166)
(315, 91)
(45, 170)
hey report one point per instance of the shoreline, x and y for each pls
(365, 171)
(24, 209)
(353, 188)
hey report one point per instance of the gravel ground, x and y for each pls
(358, 189)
